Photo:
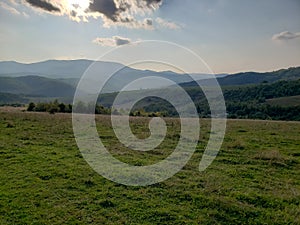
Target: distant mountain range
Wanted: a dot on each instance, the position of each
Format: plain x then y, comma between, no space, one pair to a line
247,78
62,76
59,78
50,69
36,86
65,69
292,73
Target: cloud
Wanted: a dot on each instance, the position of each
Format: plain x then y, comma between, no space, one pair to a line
153,3
9,8
149,2
167,24
131,23
47,6
121,41
112,42
13,2
286,35
25,15
13,10
127,13
107,8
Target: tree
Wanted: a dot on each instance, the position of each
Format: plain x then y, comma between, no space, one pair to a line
41,107
31,107
62,107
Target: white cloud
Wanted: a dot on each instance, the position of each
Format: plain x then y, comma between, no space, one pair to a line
146,24
25,15
13,2
133,14
112,42
128,13
9,8
286,35
167,24
12,9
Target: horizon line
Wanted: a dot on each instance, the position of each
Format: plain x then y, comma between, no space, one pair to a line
86,59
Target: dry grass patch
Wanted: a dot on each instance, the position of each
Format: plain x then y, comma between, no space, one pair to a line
274,157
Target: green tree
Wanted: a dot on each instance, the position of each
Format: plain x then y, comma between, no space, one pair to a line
31,107
62,107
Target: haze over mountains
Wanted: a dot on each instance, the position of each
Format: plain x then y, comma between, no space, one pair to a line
64,74
58,78
51,68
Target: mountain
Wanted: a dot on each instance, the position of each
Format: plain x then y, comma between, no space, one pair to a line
278,100
264,91
59,78
7,98
65,69
70,71
257,78
50,68
247,78
35,86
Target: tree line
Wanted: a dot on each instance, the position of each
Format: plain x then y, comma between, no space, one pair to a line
243,102
60,107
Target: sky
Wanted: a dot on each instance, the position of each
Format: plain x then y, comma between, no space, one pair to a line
229,35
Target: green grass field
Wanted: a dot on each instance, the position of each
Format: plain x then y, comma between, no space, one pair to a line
44,180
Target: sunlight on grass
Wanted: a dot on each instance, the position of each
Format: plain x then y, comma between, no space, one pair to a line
45,180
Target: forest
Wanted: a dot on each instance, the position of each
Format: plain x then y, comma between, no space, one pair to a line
242,102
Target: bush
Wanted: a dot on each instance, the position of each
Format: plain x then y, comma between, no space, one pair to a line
31,107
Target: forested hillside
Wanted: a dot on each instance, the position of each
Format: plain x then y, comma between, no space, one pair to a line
243,102
257,96
36,86
256,78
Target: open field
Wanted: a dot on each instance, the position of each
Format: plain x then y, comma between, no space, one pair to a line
285,101
45,180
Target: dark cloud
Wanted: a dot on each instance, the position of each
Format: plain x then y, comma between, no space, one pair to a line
127,13
112,42
43,5
149,22
121,41
113,11
107,8
73,13
153,2
148,4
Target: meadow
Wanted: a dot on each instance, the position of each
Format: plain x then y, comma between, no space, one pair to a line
287,101
255,179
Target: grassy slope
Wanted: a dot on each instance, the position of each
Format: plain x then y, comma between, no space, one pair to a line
285,101
44,179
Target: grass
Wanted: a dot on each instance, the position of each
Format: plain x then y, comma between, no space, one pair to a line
45,180
285,101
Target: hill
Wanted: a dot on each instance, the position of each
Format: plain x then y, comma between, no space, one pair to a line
247,94
35,86
284,101
263,91
45,180
241,102
257,78
249,78
70,71
8,98
50,68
